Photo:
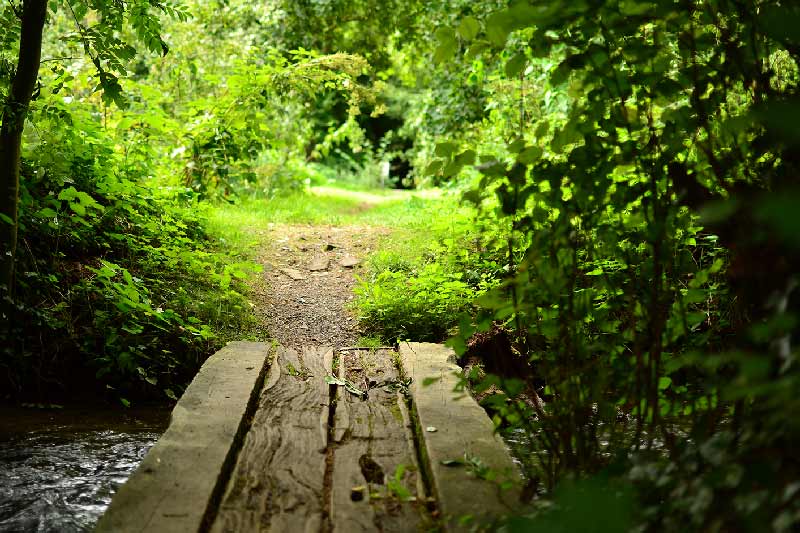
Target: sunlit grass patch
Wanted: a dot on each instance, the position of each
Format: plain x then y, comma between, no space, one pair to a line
241,223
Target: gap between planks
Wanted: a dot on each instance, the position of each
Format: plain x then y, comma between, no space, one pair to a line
294,474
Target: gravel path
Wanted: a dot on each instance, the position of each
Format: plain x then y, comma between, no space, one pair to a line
309,278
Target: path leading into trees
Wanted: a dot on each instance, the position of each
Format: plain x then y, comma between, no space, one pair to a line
311,433
309,277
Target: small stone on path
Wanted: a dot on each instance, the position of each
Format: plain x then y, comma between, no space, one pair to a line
319,263
349,261
294,274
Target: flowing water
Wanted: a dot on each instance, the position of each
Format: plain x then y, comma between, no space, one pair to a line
60,468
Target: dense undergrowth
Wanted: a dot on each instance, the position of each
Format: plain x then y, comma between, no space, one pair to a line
120,289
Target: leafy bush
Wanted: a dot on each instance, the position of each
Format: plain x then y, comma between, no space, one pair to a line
649,248
421,281
422,305
117,287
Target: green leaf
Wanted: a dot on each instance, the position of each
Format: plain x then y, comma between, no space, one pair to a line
467,157
332,380
447,45
444,52
445,35
434,167
427,382
477,48
515,65
7,219
78,208
633,8
529,155
492,168
352,389
452,169
445,149
516,145
68,194
498,26
468,28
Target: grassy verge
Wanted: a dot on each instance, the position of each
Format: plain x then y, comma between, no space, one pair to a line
422,276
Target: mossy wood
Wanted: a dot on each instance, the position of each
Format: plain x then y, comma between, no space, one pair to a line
375,482
336,441
277,484
180,476
454,428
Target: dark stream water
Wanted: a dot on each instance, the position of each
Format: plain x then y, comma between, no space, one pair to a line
60,468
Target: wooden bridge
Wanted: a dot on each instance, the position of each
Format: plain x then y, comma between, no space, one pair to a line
268,438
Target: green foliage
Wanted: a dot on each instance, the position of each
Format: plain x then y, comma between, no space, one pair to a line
117,286
420,306
419,283
640,316
242,140
630,170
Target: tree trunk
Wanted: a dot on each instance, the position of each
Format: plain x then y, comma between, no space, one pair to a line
15,110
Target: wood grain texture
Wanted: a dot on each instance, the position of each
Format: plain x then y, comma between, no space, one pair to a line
370,444
180,476
458,427
277,484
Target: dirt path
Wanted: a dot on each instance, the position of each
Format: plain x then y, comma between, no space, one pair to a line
309,276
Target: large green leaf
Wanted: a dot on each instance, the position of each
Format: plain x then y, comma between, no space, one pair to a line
468,28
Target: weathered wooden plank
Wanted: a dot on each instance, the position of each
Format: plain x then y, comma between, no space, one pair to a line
451,425
371,447
277,484
178,479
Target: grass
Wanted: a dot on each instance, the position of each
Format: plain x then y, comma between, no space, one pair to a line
244,225
370,342
413,286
